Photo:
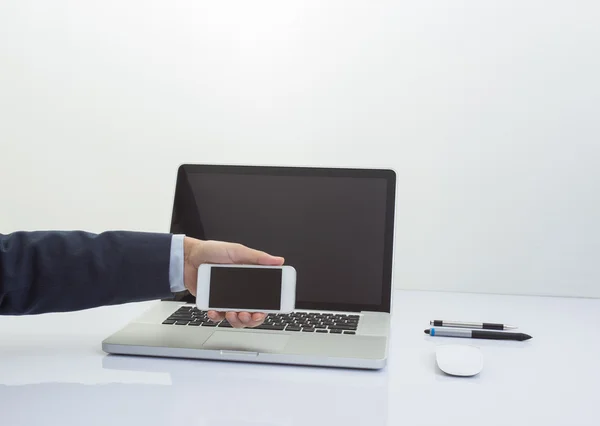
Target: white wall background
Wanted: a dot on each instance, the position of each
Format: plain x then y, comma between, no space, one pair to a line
488,110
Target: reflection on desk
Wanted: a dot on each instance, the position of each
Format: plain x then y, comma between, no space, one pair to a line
211,393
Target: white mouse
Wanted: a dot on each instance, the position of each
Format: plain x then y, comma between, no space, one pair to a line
459,360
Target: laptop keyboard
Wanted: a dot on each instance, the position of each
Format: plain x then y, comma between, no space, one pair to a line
304,322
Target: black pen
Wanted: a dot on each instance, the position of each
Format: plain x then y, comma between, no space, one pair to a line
481,325
477,334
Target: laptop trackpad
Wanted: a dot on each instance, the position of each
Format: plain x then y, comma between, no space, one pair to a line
246,341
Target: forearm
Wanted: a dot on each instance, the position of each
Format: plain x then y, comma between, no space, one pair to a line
65,271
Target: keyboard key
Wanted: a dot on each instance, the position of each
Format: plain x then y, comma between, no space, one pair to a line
335,331
181,322
308,330
169,322
342,327
194,324
321,330
225,324
209,324
293,328
349,332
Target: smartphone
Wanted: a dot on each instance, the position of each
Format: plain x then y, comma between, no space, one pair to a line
247,288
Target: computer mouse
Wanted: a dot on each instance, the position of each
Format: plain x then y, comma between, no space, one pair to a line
459,360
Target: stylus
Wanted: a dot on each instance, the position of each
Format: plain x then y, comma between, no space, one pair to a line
481,325
477,334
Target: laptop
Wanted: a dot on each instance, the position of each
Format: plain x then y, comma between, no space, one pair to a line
334,225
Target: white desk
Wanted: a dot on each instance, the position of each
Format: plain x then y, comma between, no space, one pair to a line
52,372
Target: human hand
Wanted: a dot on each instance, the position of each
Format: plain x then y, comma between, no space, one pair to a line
197,252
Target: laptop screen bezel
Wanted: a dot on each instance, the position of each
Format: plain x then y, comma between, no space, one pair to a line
387,174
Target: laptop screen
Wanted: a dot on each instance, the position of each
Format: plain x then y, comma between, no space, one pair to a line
335,226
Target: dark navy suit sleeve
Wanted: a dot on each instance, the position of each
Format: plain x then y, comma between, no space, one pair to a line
56,271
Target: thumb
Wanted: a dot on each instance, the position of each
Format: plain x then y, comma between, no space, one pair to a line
243,255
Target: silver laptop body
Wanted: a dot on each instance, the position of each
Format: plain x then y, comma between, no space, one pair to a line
335,226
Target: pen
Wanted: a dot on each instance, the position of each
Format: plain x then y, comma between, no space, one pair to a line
477,334
482,325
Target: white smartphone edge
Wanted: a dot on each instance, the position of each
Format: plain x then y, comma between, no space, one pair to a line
288,288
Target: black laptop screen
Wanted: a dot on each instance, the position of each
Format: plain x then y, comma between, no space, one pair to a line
333,228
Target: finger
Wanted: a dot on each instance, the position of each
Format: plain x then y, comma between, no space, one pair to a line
258,316
245,318
232,318
215,316
257,319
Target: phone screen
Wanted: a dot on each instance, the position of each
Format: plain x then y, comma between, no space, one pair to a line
245,288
